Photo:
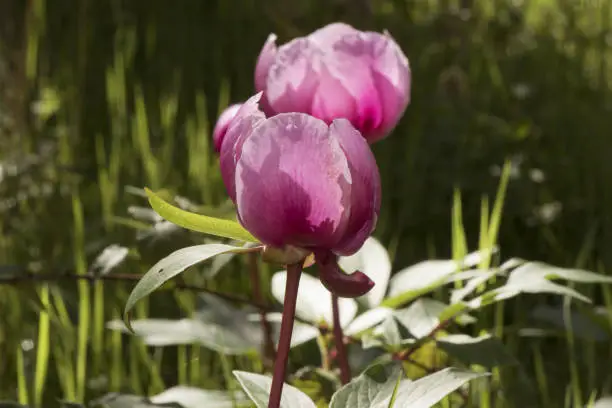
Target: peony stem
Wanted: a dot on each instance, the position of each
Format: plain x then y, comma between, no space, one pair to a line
268,346
345,370
284,344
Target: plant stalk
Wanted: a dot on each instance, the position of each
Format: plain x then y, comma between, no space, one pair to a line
268,346
345,370
284,344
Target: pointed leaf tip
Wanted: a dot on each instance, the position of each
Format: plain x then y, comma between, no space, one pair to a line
198,222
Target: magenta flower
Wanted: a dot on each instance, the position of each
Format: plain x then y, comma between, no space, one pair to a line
337,72
222,125
299,182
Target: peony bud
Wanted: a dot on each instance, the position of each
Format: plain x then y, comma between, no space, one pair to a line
337,72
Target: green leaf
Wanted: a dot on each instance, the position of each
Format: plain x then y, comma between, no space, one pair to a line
473,284
172,265
527,285
427,391
367,320
422,316
226,329
191,397
217,326
605,402
197,222
423,277
416,280
372,389
487,351
11,404
258,388
532,270
116,400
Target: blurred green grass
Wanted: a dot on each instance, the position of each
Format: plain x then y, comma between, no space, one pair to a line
99,95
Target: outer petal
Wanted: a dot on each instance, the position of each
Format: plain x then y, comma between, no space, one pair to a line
293,77
392,77
331,99
387,84
327,36
223,124
245,120
365,190
293,183
264,62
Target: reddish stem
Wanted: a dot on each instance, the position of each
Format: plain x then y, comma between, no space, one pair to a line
345,370
268,346
284,344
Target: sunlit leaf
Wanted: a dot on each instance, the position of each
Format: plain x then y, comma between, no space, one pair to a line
373,260
487,351
314,300
216,325
201,223
605,402
367,320
528,285
423,315
533,270
427,391
472,284
372,389
172,265
258,388
116,400
159,332
191,397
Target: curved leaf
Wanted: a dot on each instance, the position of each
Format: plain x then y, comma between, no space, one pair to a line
197,222
258,387
427,391
172,265
372,389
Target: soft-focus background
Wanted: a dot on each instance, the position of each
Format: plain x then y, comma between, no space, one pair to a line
101,97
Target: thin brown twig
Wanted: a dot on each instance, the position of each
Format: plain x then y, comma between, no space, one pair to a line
39,278
268,347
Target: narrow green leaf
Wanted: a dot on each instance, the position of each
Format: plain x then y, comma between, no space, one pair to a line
171,266
196,222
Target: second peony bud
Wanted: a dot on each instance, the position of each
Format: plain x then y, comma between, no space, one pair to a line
337,72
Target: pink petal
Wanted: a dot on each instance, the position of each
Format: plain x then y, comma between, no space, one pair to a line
384,92
264,62
365,189
293,183
331,99
223,124
246,119
292,78
327,36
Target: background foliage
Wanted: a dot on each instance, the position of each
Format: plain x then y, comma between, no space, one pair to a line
98,96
